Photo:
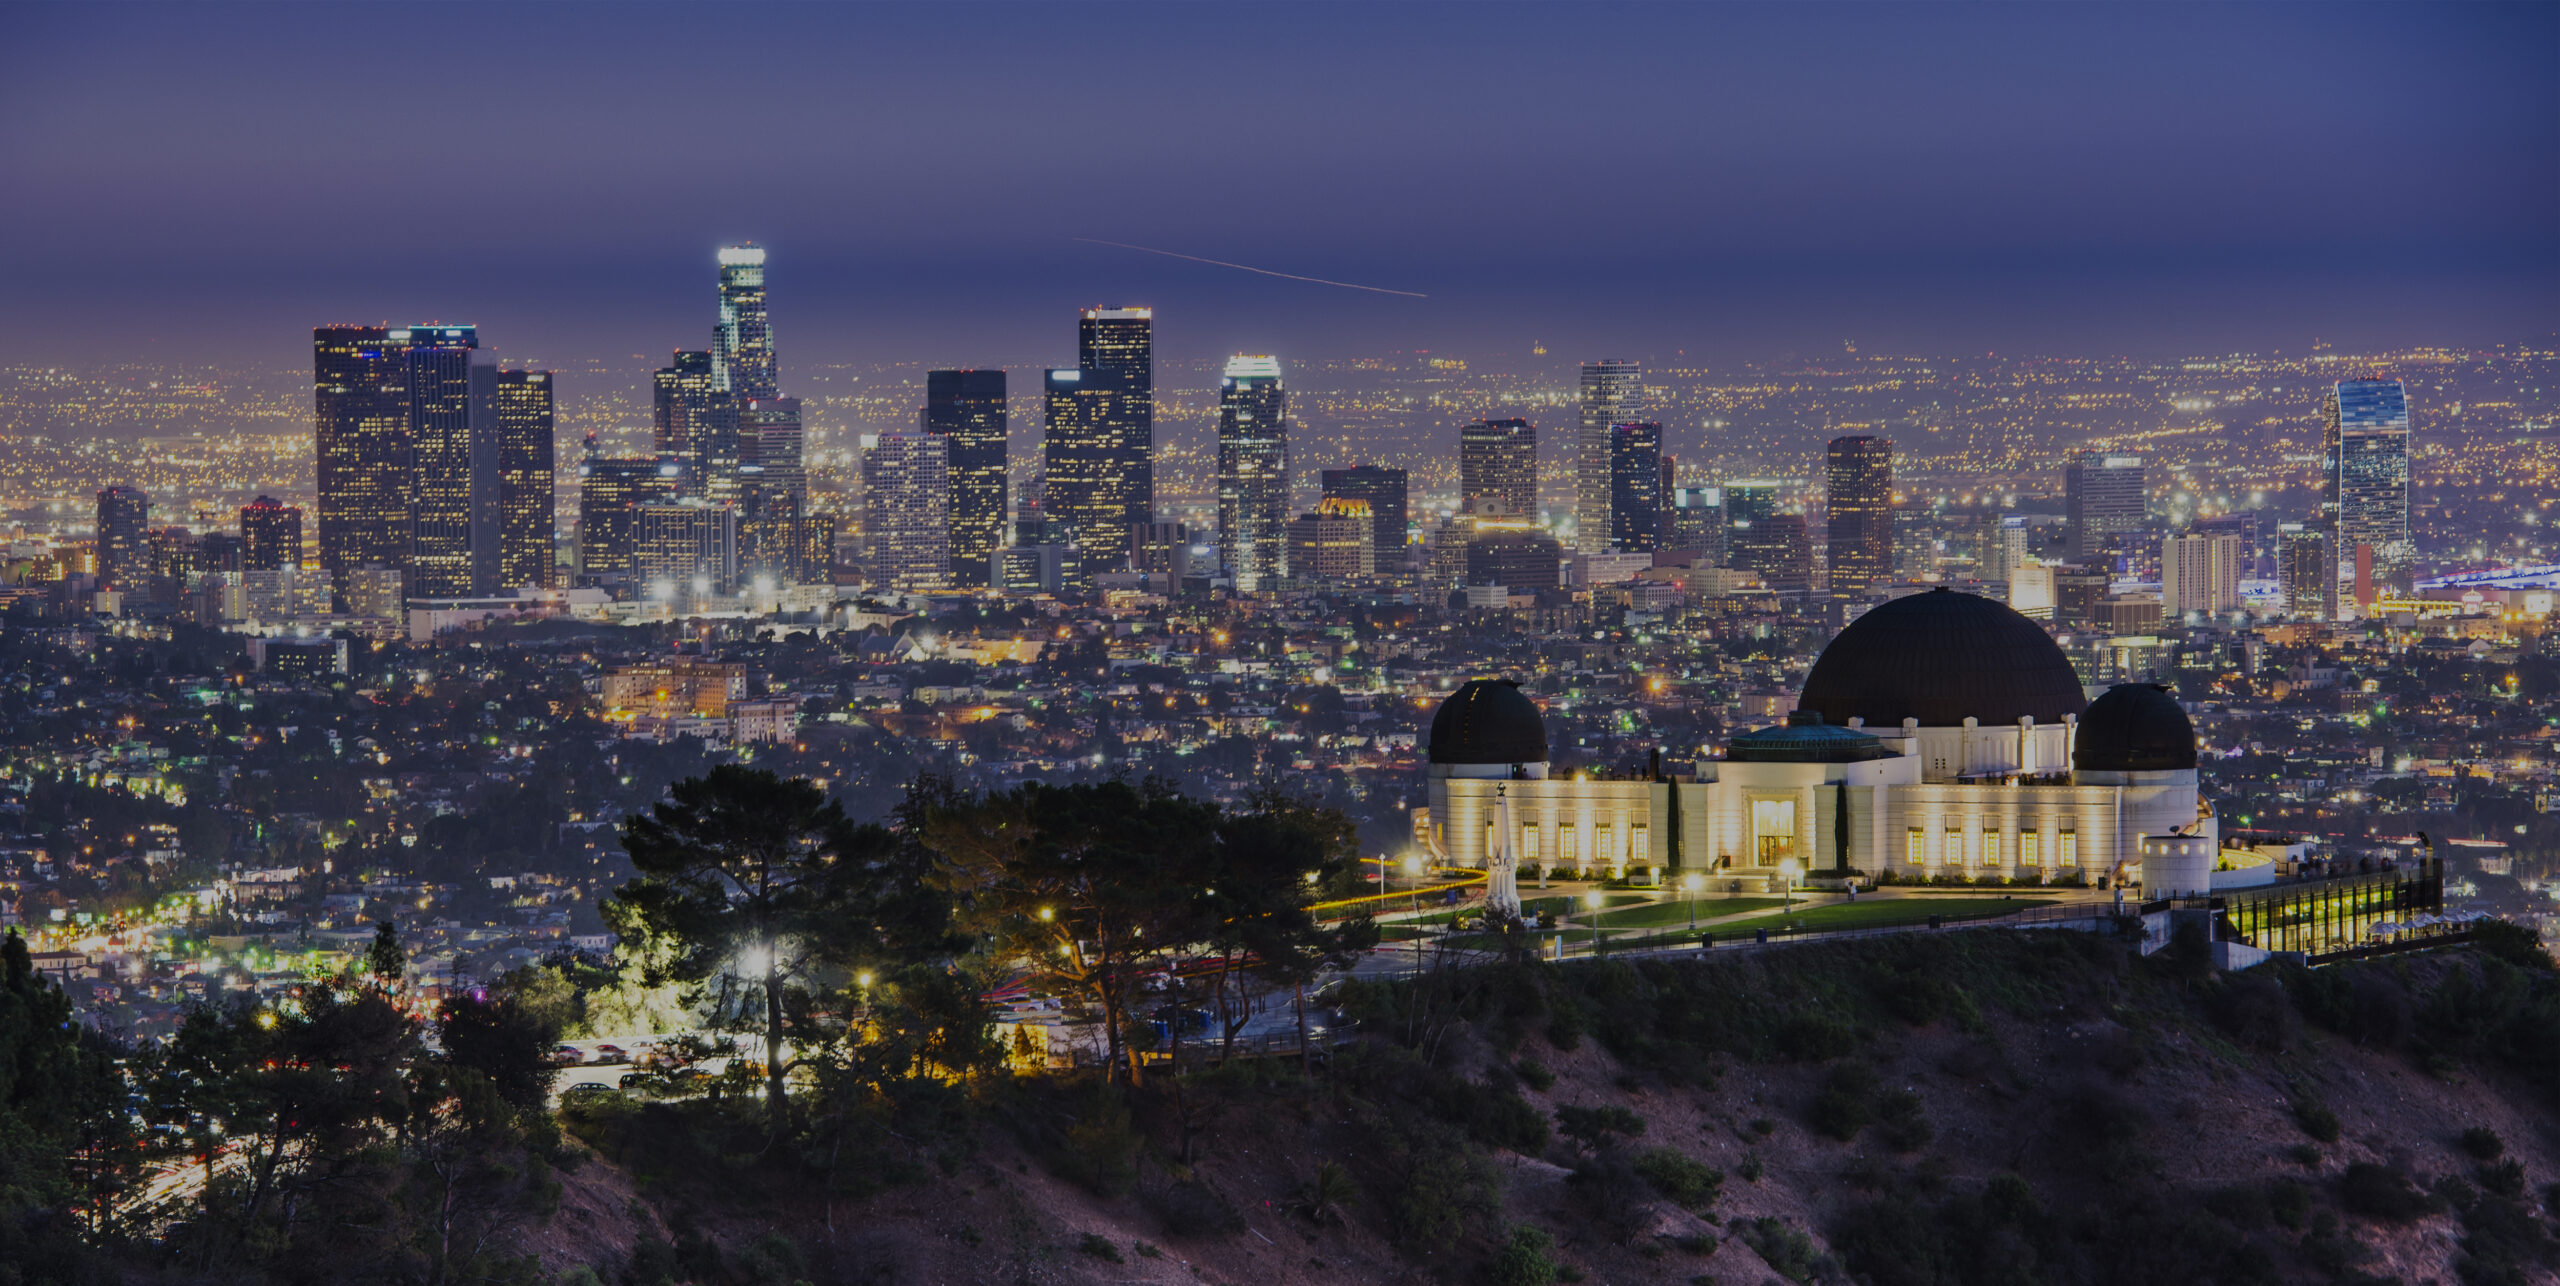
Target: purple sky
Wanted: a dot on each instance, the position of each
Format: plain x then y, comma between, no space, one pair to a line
208,181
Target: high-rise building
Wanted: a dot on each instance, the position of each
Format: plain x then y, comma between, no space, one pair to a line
611,491
742,340
1253,471
527,523
1696,521
454,482
1098,454
2302,565
906,510
1498,459
1612,394
270,535
1383,490
1635,485
2199,574
697,427
771,444
1859,499
967,408
360,398
124,538
1516,557
685,547
2102,495
1336,543
2364,499
1779,548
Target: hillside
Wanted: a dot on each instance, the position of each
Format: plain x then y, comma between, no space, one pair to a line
1984,1107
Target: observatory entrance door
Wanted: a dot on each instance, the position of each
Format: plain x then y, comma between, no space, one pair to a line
1773,830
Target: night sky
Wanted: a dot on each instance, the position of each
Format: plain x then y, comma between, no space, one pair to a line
206,182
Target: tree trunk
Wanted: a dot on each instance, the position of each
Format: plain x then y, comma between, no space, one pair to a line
776,1104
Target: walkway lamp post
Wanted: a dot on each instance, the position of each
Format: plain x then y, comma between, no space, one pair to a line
1594,901
1690,882
1787,871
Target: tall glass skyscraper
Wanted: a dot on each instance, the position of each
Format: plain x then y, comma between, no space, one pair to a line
2364,499
1859,497
1253,471
2102,496
742,340
906,508
124,538
1635,487
360,404
967,408
527,523
1612,394
452,395
270,535
1098,454
1498,460
697,426
611,491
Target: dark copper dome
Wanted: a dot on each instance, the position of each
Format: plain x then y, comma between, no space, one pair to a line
2134,727
1488,721
1940,658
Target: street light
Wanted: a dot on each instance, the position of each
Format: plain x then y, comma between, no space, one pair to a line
1691,882
1787,871
1593,900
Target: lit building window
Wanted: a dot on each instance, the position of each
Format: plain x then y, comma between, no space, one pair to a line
2067,848
2027,854
1991,846
1568,844
1915,846
1637,849
1951,848
1528,843
1606,850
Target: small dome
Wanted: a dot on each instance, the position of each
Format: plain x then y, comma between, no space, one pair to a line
2134,727
1941,658
1488,721
1805,739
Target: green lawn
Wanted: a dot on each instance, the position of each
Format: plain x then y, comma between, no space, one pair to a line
1876,913
1572,905
1663,914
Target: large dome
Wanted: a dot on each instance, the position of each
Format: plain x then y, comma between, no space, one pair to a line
2134,727
1941,658
1488,721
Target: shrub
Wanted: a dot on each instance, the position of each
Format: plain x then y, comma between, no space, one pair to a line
1689,1182
1535,1074
1815,1037
1592,1126
2381,1192
1524,1261
1608,1192
2288,1201
1783,1246
2254,1010
1902,1123
1846,1103
1100,1247
1435,1189
2481,1143
1750,1168
1191,1208
2316,1119
2505,1178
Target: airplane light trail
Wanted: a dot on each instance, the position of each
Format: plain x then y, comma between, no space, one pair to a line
1289,276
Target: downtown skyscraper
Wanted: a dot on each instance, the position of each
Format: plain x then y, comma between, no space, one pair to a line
696,426
1498,461
1858,497
453,449
1384,491
1098,454
361,436
1612,394
124,538
2102,496
742,339
1253,472
967,409
525,462
270,535
2364,492
906,510
1638,485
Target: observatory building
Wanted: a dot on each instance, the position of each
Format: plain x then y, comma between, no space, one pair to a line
1939,734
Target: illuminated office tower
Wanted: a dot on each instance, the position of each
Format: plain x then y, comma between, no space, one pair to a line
2102,496
453,449
1335,544
1635,486
773,443
270,535
1859,499
2364,498
967,409
1384,491
1779,547
527,523
906,510
2199,574
124,538
1747,505
742,340
685,547
1253,472
360,402
1498,460
1612,394
611,490
1115,348
697,427
2302,564
1695,520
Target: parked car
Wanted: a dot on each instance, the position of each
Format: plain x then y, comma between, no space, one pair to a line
567,1056
590,1089
612,1054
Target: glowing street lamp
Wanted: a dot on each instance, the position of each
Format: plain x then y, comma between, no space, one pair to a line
1594,901
1787,871
1691,882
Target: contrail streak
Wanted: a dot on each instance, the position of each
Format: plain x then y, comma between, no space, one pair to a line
1287,276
